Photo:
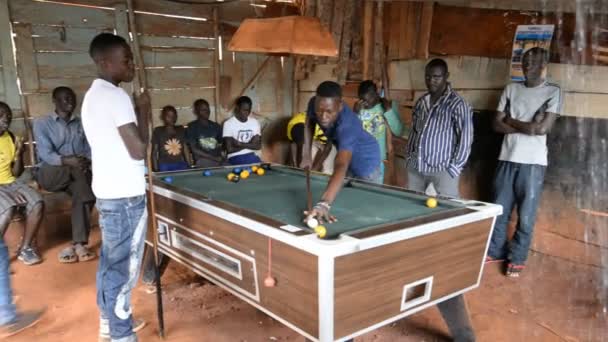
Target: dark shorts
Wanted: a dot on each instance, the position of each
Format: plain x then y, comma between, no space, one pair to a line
32,196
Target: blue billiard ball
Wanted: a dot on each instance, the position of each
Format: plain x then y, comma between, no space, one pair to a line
207,173
237,170
168,179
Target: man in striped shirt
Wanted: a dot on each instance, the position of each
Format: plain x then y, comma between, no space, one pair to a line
439,146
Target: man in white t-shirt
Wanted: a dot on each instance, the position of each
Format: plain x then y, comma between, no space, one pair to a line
242,134
118,137
526,113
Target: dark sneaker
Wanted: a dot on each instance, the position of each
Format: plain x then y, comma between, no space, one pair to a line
104,333
23,321
29,256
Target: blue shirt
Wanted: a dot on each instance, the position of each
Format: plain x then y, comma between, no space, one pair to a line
441,135
348,134
56,138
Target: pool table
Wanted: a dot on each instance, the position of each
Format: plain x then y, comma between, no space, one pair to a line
388,256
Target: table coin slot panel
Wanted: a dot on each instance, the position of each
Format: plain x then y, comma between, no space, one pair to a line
416,293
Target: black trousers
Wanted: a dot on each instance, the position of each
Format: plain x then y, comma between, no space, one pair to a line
77,183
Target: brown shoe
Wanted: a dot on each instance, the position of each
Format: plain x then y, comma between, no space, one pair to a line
23,321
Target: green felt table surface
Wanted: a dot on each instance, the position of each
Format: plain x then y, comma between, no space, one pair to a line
281,195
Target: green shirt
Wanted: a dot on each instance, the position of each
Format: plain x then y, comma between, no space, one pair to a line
374,121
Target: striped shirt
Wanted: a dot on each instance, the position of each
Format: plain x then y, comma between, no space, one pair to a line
442,135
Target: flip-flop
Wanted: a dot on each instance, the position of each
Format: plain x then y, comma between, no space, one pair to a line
68,255
84,253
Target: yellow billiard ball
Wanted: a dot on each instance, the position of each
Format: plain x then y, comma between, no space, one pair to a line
321,231
244,174
230,176
260,171
431,202
254,168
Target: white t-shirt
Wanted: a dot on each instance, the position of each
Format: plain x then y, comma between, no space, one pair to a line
115,174
523,103
241,132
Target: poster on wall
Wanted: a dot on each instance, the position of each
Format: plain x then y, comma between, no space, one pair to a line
527,37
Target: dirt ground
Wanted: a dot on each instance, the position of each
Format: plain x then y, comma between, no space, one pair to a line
555,300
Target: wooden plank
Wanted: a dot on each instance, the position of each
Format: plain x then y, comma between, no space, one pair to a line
46,13
200,58
322,72
408,42
9,71
26,58
378,40
179,78
180,98
216,64
369,285
176,43
65,65
345,44
156,25
337,23
424,33
153,6
368,11
355,63
579,78
396,26
585,105
78,83
49,38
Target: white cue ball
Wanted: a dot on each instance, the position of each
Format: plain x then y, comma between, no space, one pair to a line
312,223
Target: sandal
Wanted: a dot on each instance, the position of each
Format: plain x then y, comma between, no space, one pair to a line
491,260
68,255
513,270
84,253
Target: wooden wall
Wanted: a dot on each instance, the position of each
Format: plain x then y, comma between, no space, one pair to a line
52,40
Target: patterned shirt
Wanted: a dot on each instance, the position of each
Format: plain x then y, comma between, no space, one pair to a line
441,135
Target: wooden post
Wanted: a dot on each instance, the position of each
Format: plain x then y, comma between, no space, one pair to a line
345,44
368,9
378,39
143,84
11,90
426,21
216,63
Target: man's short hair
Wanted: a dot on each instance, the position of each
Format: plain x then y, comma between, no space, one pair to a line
59,89
5,106
200,102
329,89
438,63
168,108
366,87
104,42
243,100
544,53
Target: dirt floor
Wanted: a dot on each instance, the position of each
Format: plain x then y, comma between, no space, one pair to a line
555,300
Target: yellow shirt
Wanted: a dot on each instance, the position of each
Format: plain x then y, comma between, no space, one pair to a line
7,155
300,118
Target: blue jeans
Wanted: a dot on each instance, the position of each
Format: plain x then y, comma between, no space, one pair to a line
520,185
249,158
7,308
376,176
173,166
123,224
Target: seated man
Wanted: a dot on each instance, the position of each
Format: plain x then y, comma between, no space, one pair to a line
358,151
242,134
323,154
204,137
65,165
169,149
14,193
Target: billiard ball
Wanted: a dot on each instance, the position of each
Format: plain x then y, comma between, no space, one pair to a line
244,174
230,176
321,231
270,281
168,179
207,173
260,172
431,202
236,178
237,170
266,166
312,223
254,168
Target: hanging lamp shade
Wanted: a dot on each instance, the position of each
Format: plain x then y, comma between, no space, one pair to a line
284,35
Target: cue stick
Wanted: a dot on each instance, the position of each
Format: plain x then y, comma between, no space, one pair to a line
141,78
308,191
